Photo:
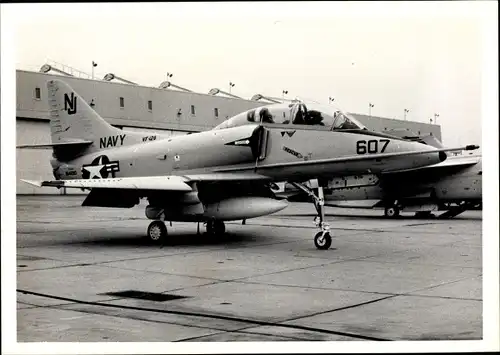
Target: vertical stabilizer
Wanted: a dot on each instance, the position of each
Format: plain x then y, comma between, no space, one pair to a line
72,119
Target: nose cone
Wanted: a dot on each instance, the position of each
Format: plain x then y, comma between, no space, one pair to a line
442,156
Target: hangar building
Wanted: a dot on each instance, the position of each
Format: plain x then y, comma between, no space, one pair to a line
134,107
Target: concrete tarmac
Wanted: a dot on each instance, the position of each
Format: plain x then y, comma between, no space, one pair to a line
402,279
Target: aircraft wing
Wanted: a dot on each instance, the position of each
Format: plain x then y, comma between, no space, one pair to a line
164,183
160,183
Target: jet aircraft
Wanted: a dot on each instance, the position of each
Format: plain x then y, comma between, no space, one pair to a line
453,185
218,175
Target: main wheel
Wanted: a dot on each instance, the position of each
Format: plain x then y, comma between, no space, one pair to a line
392,211
323,241
157,231
219,227
210,227
215,228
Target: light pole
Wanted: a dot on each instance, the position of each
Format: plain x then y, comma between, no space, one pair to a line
370,105
94,64
330,99
406,111
284,93
436,115
231,85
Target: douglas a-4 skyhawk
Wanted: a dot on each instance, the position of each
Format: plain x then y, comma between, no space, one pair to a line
219,175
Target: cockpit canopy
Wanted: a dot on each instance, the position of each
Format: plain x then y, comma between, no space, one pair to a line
296,114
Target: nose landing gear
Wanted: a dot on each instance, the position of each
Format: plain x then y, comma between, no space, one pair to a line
322,240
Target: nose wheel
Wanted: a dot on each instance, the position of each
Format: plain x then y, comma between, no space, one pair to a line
322,240
157,232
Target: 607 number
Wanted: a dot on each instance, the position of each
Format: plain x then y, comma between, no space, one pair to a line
371,146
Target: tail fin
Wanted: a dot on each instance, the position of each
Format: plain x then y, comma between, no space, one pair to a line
73,120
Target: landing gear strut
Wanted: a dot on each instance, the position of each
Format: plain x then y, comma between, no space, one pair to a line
157,232
322,240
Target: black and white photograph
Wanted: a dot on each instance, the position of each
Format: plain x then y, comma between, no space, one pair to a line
249,177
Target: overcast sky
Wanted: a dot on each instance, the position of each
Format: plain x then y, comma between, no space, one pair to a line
426,57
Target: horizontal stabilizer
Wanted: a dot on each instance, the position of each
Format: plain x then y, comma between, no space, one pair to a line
79,143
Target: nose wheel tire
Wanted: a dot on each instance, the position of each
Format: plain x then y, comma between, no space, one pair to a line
157,232
392,211
323,240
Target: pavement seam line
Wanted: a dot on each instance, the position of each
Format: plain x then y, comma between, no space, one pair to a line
203,315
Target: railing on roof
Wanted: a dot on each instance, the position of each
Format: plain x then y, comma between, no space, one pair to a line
64,69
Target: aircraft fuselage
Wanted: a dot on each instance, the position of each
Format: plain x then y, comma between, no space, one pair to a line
246,148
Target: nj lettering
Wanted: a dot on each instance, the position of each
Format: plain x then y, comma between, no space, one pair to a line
70,103
112,141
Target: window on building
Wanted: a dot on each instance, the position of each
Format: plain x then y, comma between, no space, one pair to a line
193,112
38,93
216,112
150,105
122,102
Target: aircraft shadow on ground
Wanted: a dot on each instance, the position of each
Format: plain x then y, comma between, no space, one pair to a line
173,240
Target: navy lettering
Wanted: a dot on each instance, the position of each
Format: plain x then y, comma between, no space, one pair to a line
111,141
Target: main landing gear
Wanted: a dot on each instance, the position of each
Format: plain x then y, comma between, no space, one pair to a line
322,240
157,232
392,211
216,228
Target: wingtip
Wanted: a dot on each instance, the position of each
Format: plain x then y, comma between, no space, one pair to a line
32,182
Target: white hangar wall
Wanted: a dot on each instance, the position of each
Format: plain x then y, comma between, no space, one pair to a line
133,107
